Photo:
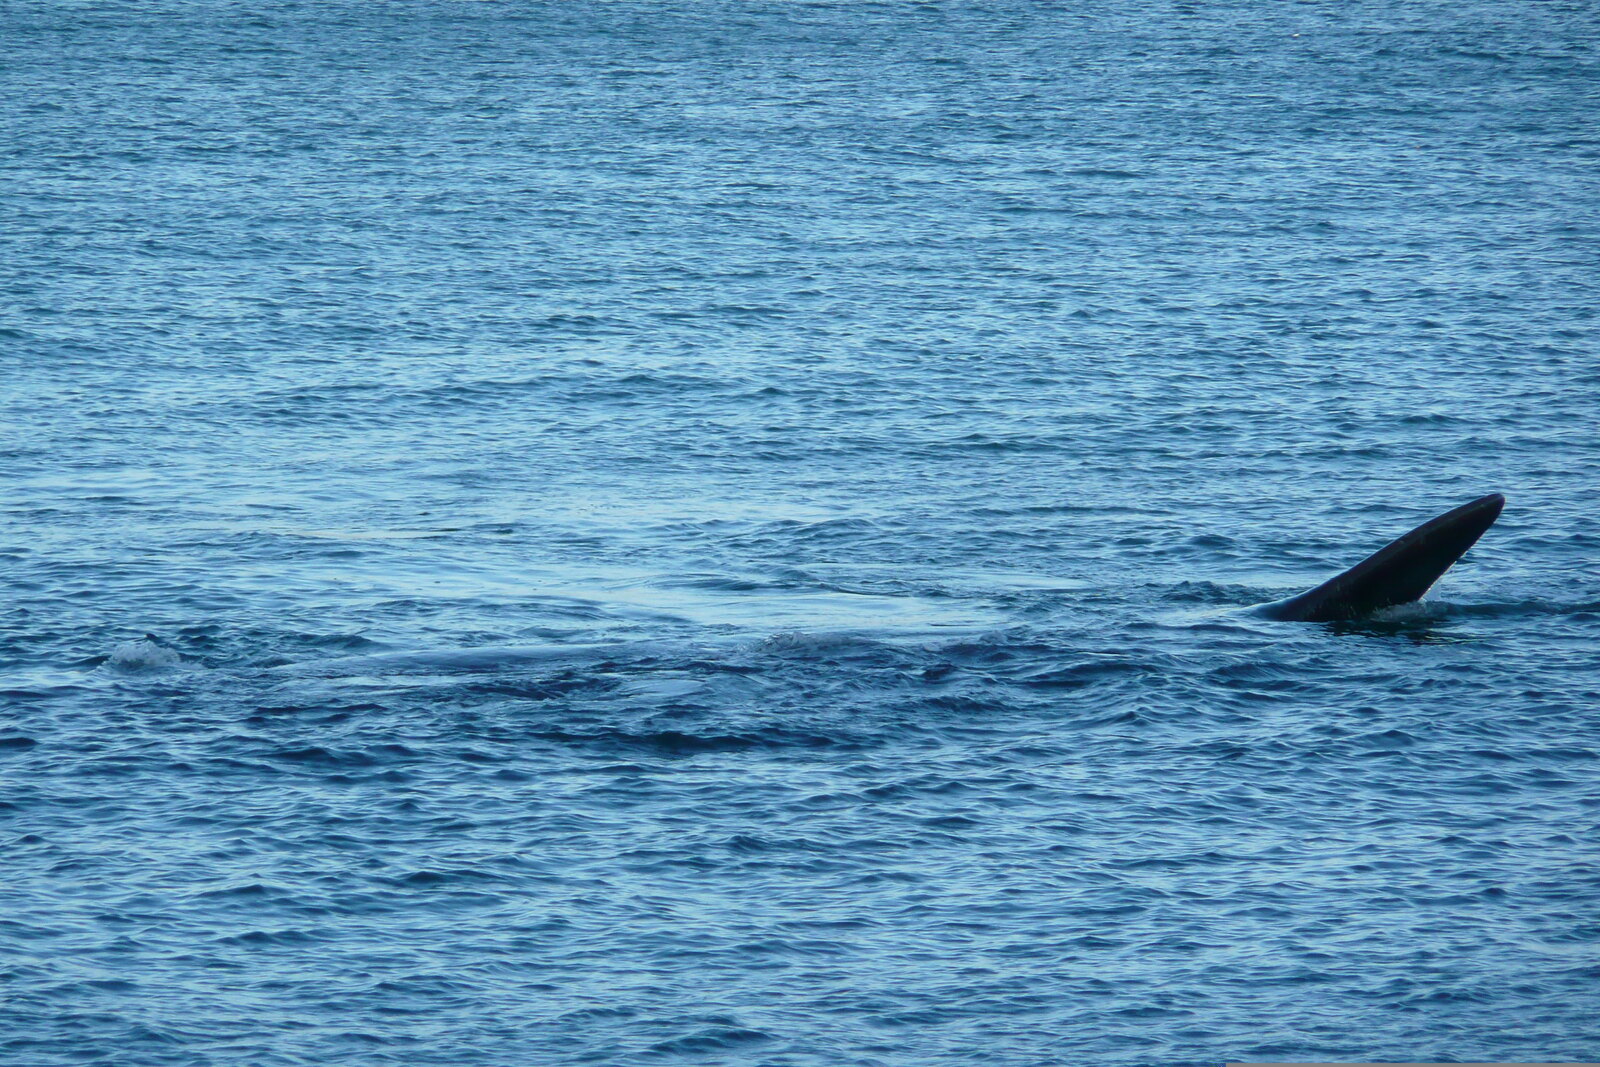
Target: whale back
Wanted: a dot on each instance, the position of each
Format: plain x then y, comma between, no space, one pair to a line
1398,573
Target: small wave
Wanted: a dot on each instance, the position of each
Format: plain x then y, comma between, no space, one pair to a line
463,660
1104,172
1087,673
319,756
269,938
1203,592
1520,608
680,743
799,643
710,1040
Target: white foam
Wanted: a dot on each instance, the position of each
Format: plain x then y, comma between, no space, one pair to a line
141,656
799,641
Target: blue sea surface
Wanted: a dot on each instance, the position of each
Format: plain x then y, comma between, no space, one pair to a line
722,531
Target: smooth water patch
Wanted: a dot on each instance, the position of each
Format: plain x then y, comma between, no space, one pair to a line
726,532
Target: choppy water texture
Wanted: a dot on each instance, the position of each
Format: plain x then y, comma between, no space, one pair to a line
784,480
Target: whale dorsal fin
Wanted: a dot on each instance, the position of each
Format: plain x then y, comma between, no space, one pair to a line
1398,573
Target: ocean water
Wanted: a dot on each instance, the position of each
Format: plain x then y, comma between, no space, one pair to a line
721,532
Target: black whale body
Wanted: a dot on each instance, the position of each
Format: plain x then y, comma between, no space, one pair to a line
1398,573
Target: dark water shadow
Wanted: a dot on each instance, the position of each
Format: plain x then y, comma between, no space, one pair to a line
1422,630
